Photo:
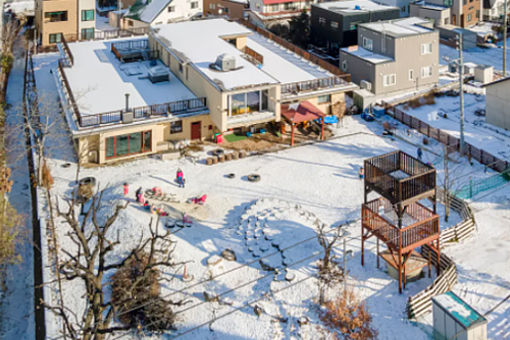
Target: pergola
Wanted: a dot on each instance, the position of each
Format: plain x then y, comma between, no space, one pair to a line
299,113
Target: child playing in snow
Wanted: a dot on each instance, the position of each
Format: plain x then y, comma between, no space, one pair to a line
180,178
139,196
126,189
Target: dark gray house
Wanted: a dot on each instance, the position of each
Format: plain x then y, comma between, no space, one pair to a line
333,24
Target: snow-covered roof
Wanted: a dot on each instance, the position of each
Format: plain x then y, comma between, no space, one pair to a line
429,5
99,81
201,42
353,6
400,27
147,12
367,55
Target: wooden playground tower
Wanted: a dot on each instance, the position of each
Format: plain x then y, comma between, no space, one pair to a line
396,218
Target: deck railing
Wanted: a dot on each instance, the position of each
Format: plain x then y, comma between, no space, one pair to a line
259,58
406,238
313,85
67,51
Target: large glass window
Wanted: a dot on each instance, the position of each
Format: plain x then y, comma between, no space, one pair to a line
87,33
128,144
238,104
56,16
87,15
55,38
253,101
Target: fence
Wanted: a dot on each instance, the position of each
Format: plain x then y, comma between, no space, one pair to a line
475,187
421,303
297,50
451,142
259,58
312,85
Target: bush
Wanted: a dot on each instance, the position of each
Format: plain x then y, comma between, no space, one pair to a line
349,318
47,179
137,296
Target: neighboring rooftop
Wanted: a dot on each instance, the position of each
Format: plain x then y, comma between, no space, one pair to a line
367,55
354,6
99,81
459,310
201,42
400,27
429,5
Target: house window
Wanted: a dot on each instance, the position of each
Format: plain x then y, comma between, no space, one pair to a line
87,15
87,33
253,101
176,127
129,144
55,38
334,24
172,8
322,21
426,71
411,74
478,14
426,48
56,16
194,4
130,22
469,17
181,68
324,99
344,65
389,79
211,6
367,43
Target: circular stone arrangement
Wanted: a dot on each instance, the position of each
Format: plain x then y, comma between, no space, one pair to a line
280,234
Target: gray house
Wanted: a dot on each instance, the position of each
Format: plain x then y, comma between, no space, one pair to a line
393,56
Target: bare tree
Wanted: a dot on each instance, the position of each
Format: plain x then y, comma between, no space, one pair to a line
10,30
91,263
449,181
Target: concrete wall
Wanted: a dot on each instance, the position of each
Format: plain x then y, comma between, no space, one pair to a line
44,27
497,108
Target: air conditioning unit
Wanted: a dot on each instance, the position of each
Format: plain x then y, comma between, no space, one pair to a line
226,62
366,85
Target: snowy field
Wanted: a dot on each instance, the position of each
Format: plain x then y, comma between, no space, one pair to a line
477,55
298,186
477,131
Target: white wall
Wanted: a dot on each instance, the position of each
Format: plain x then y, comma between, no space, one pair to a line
182,11
402,4
497,108
84,5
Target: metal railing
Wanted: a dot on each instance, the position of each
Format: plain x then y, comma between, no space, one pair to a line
313,85
67,51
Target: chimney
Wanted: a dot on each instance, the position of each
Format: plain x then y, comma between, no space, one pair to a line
127,102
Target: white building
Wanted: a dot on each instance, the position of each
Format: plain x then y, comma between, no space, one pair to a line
86,21
496,99
157,12
493,9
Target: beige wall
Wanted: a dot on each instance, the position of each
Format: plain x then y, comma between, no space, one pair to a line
69,28
497,108
127,23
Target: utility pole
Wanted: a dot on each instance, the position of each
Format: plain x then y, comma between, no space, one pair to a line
504,37
461,85
345,267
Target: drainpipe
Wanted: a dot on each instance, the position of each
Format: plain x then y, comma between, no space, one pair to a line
127,102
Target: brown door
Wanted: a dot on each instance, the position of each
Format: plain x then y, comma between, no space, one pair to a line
196,130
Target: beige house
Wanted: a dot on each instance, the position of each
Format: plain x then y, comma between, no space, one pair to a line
185,81
393,56
463,13
497,110
73,19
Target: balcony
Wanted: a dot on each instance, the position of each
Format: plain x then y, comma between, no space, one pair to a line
420,225
400,178
305,87
251,118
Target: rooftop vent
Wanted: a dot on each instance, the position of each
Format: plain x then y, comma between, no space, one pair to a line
225,62
158,74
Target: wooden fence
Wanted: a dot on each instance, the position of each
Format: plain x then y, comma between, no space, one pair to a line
421,303
451,142
297,50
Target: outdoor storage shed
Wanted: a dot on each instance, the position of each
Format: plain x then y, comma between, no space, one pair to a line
455,319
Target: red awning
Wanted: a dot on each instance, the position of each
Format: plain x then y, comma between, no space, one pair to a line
303,112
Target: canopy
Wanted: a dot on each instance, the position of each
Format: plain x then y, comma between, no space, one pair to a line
302,112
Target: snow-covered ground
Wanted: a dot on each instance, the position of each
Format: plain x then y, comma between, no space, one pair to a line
478,55
476,131
297,187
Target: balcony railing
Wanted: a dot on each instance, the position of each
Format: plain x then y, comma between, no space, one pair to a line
313,85
424,230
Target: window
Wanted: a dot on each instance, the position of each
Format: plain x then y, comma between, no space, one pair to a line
176,127
426,48
180,68
194,4
426,71
87,15
211,6
411,74
344,65
389,79
130,22
87,33
253,101
469,17
478,14
324,99
172,8
129,144
56,16
334,24
55,38
322,21
367,43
